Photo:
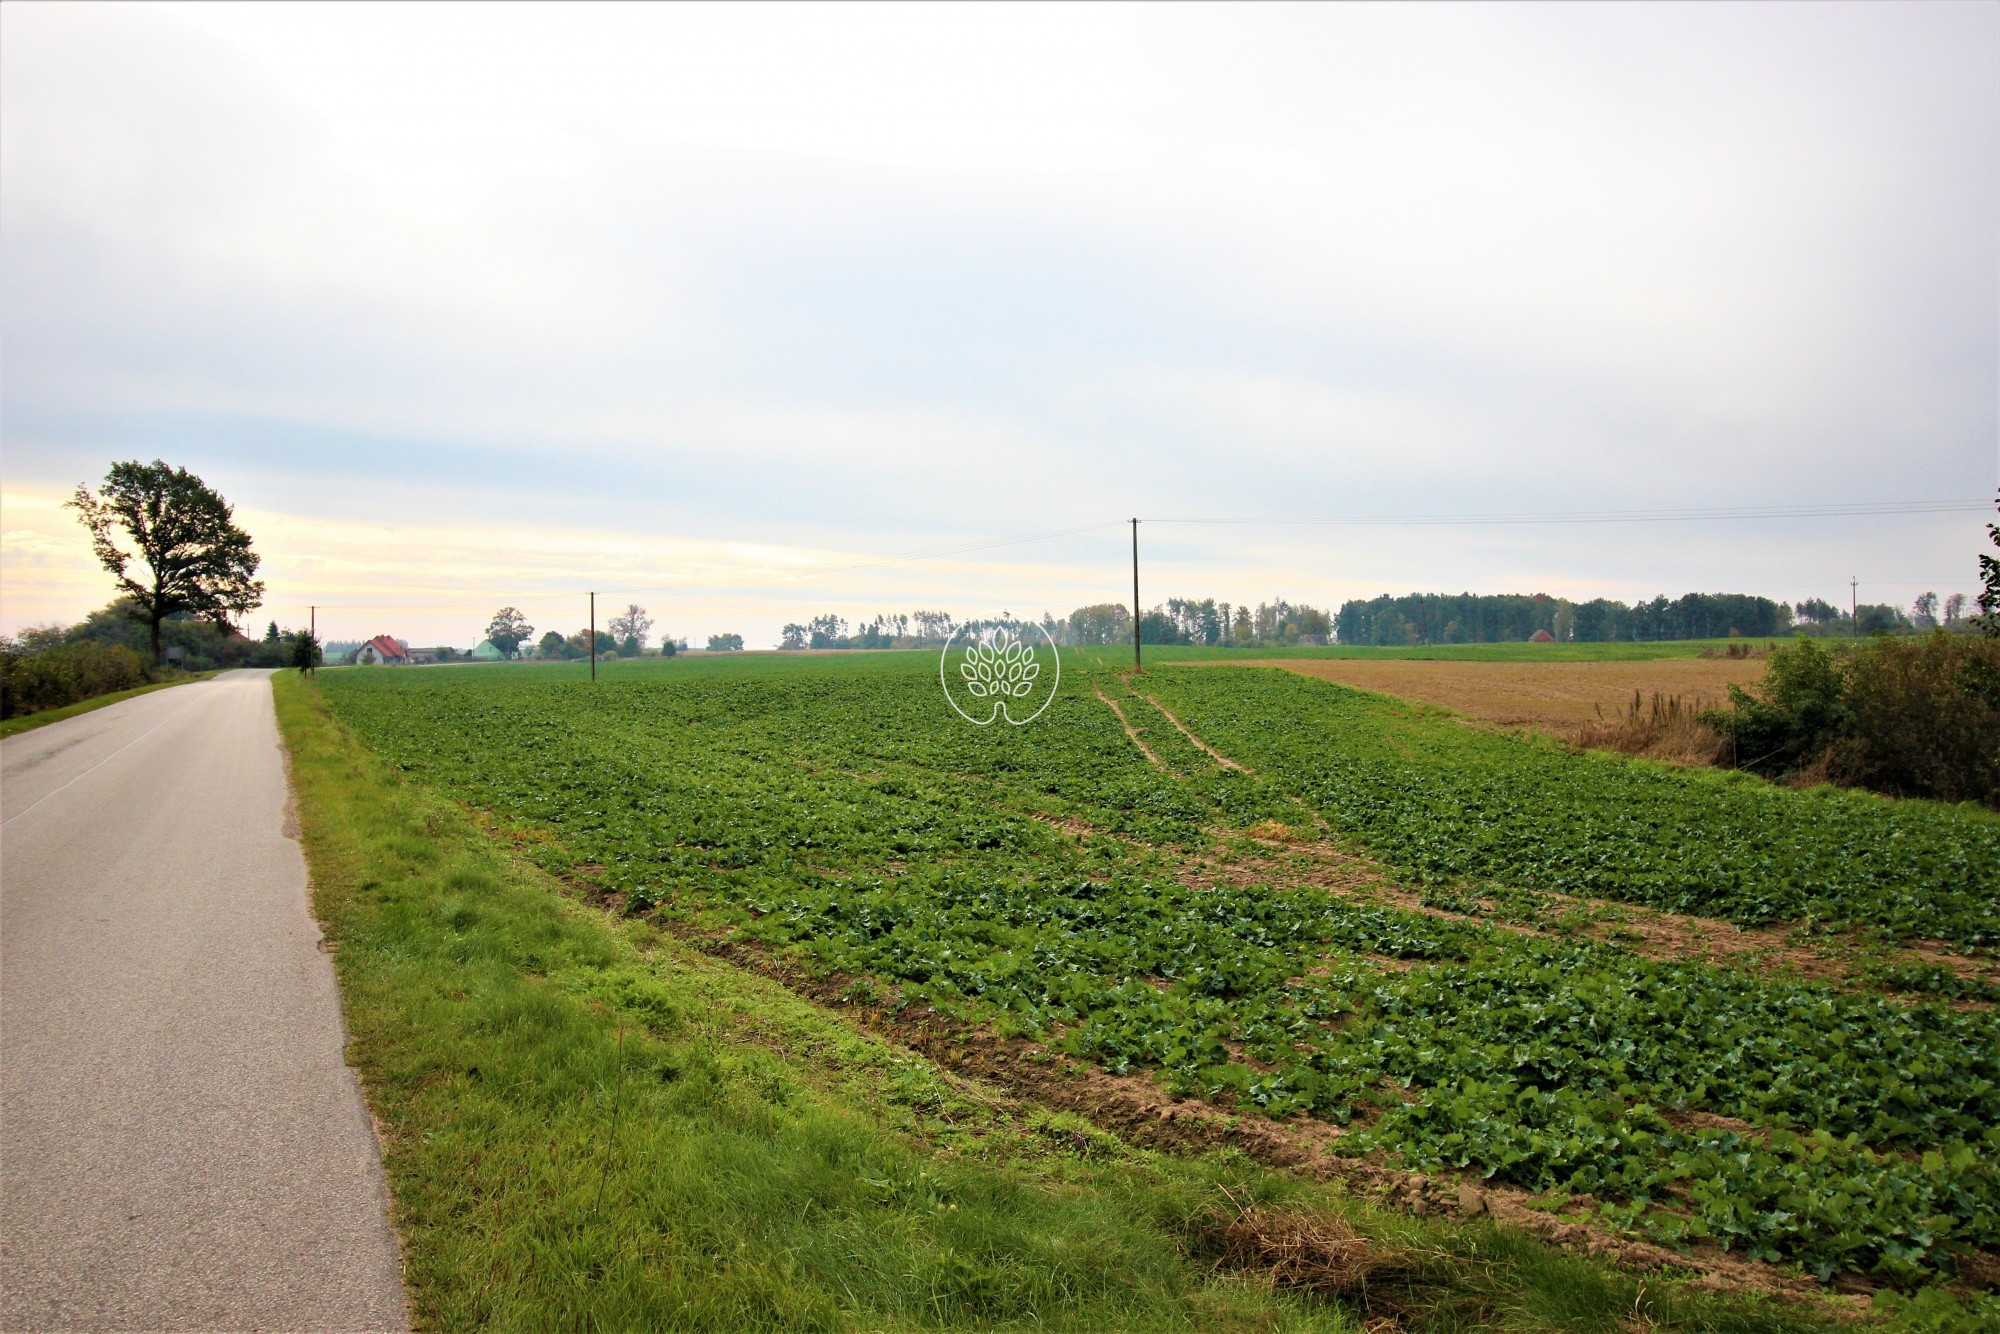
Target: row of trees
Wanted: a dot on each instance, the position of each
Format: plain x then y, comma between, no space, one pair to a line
916,629
1176,621
555,644
625,636
1413,619
1202,622
1819,617
196,643
1487,618
1469,618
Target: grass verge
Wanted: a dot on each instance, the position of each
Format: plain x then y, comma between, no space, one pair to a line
28,722
587,1124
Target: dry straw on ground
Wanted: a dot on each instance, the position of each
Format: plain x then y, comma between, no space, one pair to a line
1668,727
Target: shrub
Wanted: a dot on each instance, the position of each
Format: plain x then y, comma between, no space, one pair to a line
1792,716
1924,719
203,643
1911,717
34,679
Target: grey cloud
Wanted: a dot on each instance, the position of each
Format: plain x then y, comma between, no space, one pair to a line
1391,258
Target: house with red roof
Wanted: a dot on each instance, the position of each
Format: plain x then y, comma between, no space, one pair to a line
384,649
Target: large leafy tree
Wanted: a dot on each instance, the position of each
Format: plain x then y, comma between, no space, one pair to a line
632,623
197,560
508,630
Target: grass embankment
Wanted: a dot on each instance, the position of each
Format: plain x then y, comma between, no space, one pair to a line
588,1125
30,721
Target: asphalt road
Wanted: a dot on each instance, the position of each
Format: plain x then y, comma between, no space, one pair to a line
181,1143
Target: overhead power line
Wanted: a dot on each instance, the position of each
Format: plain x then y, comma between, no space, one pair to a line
792,573
1887,507
1685,514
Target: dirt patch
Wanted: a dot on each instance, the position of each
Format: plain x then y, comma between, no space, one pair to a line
1558,697
1075,828
1130,731
1712,1121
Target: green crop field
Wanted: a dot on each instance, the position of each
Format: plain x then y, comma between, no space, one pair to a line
1054,883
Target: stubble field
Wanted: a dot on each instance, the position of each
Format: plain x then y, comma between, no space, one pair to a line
1556,697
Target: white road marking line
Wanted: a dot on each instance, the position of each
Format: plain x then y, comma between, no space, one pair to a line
99,765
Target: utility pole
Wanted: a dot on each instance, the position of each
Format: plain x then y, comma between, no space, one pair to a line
1854,607
593,634
1136,665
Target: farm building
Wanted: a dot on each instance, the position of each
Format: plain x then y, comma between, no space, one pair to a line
1541,637
383,649
487,651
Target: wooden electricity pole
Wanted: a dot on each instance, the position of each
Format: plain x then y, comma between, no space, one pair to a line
1854,606
1136,665
593,635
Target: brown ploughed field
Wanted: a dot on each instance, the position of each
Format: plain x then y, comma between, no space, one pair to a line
1556,696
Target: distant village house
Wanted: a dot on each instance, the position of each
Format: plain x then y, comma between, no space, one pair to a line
382,650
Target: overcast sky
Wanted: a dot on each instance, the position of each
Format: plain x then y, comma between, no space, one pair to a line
467,305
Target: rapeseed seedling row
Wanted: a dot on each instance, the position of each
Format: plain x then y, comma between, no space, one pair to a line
1448,801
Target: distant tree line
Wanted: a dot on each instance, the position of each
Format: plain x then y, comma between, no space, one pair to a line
1413,619
554,644
625,637
1175,621
1490,618
1206,622
1476,618
916,629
